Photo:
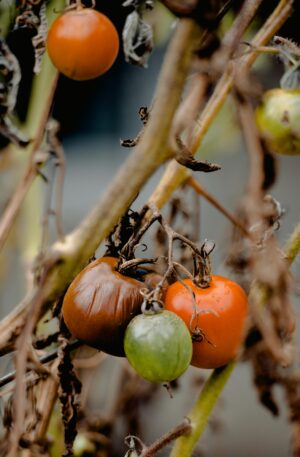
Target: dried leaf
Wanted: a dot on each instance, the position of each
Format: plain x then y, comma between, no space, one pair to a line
137,39
11,76
185,157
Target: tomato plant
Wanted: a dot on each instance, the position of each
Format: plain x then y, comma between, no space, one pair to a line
99,304
278,120
83,43
103,307
215,315
158,346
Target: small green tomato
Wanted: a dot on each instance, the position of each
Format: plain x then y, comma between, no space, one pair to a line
278,120
158,346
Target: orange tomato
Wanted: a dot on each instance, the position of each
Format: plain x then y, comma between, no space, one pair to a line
82,44
215,317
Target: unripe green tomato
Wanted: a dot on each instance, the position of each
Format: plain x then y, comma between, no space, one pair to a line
278,120
158,346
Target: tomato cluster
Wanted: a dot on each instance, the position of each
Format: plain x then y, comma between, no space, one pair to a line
201,326
82,43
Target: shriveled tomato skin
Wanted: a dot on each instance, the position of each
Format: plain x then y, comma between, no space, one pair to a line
222,312
82,43
158,346
99,305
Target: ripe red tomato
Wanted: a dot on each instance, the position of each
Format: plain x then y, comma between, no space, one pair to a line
82,43
100,303
221,311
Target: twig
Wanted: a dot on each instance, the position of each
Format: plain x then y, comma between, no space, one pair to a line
256,155
269,29
201,191
46,402
9,377
190,106
233,36
180,430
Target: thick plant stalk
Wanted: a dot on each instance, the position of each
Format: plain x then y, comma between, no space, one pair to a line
38,111
201,411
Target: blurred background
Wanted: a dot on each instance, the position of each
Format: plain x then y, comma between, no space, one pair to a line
94,116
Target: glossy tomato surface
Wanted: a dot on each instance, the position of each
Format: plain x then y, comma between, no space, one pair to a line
219,312
99,305
278,120
82,44
158,346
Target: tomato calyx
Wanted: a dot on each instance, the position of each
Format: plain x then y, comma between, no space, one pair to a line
78,5
202,265
152,304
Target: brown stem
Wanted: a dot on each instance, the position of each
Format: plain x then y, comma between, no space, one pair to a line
43,359
48,396
256,157
22,350
233,37
204,193
182,429
268,30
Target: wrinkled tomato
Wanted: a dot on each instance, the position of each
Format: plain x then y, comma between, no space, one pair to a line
100,303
